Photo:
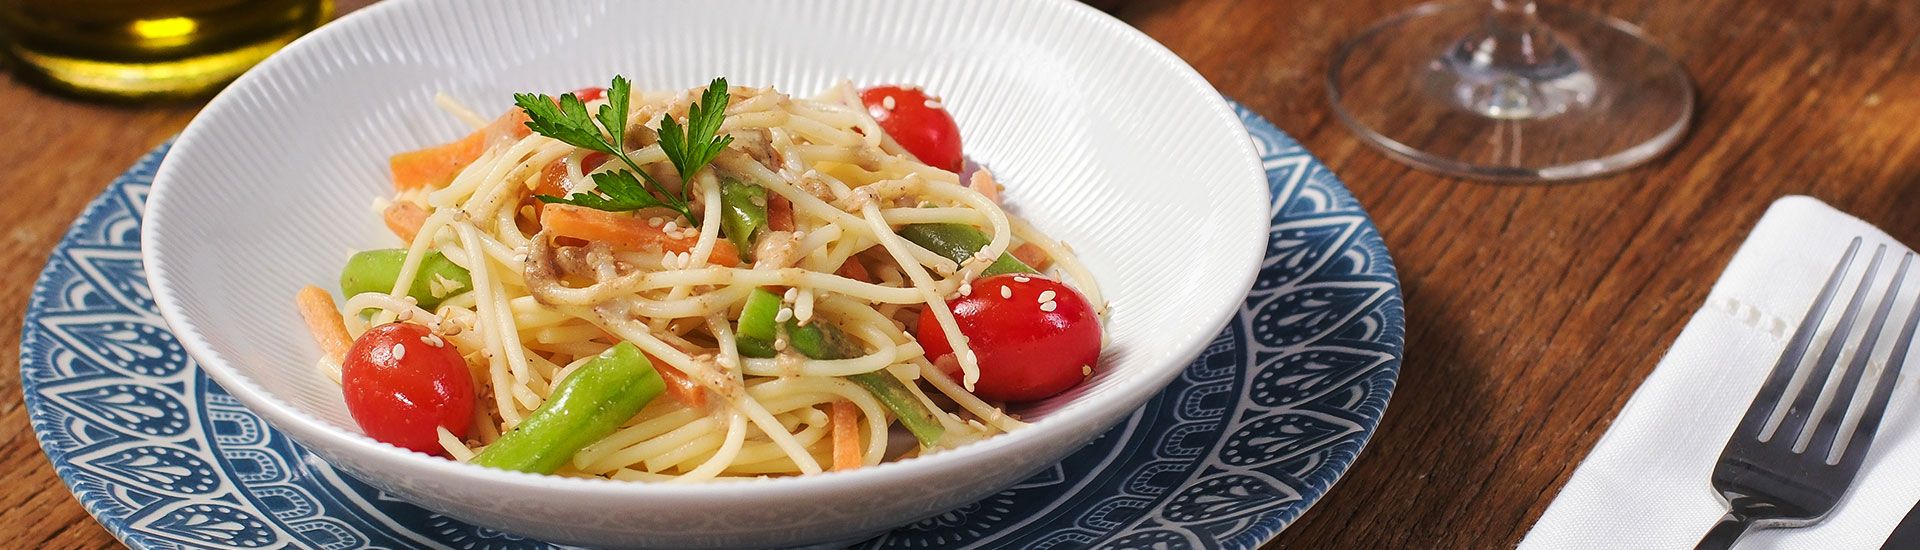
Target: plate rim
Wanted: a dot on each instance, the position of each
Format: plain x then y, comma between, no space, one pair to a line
1269,524
289,418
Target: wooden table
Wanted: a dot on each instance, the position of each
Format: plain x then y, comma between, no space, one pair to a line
1533,311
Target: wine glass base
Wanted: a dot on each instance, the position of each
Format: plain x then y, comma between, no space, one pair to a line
1418,86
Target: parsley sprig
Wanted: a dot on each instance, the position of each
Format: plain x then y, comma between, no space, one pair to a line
690,147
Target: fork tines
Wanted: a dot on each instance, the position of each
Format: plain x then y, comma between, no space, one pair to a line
1825,437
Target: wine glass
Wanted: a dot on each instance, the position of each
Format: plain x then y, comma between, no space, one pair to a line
1512,91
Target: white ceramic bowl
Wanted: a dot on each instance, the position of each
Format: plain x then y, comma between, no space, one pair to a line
1106,140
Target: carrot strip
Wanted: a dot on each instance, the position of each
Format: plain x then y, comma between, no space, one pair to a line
855,270
846,435
553,179
625,231
404,219
982,182
435,167
1032,255
779,213
324,322
683,388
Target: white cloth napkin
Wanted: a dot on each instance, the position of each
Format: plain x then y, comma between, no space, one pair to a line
1646,483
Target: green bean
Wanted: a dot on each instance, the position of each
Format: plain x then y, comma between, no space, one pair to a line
376,270
959,242
743,211
819,340
896,397
587,406
756,333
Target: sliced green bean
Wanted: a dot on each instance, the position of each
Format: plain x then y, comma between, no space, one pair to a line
376,270
587,406
743,212
959,242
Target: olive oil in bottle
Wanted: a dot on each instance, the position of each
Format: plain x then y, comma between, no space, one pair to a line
148,49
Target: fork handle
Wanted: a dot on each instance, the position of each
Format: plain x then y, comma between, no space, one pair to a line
1725,533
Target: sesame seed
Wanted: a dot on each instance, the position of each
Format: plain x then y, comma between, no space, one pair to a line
785,314
1086,370
1020,278
791,294
1049,306
935,104
399,352
432,340
758,200
887,102
1046,296
966,289
655,221
671,227
451,329
668,260
780,344
404,315
1006,292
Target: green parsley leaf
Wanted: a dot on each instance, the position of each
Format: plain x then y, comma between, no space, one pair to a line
691,147
613,114
622,193
564,119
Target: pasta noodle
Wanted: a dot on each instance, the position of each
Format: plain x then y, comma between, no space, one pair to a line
538,306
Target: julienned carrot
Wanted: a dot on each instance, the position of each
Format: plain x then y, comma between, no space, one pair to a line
779,213
436,166
404,219
855,270
329,330
982,182
1032,255
679,385
553,179
625,231
846,435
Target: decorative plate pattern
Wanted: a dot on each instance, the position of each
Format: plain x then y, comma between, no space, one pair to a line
1252,433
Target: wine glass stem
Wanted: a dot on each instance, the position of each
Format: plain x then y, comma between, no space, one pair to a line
1511,6
1514,36
1513,67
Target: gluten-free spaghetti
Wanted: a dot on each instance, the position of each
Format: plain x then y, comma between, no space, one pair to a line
710,283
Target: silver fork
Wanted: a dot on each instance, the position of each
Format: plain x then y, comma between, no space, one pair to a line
1788,475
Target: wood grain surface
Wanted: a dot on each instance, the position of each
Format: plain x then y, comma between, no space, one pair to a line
1533,311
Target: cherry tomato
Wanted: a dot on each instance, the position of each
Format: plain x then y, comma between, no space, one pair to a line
590,94
401,381
1027,349
918,123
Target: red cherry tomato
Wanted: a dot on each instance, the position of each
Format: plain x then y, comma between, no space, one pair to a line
590,94
918,123
1027,350
401,381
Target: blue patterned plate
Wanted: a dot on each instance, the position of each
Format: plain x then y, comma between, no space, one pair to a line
1242,443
